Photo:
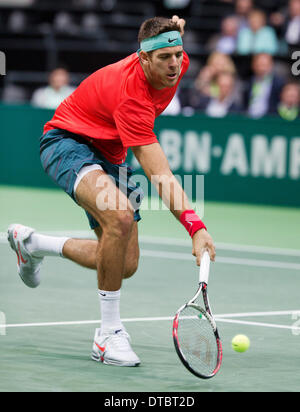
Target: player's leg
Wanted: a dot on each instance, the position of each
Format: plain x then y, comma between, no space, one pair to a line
98,195
132,253
80,251
31,247
109,301
84,251
63,156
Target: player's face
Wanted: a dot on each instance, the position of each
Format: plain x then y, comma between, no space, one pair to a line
164,66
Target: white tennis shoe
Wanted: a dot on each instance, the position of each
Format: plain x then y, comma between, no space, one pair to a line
113,348
28,265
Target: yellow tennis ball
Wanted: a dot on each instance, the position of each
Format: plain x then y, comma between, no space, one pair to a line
240,343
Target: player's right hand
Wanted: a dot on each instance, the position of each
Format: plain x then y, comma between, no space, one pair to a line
202,241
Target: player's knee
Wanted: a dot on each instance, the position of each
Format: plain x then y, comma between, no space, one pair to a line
124,222
120,224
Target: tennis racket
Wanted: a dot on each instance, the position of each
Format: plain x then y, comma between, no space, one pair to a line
195,332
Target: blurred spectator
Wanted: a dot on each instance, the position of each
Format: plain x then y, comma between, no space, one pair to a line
91,25
64,23
242,11
288,21
258,37
13,94
216,63
17,21
206,88
292,33
263,91
106,5
89,4
58,89
90,22
289,104
226,41
226,101
176,4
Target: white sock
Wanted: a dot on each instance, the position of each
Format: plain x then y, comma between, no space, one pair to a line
41,245
110,309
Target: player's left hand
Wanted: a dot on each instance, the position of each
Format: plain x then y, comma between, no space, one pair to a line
180,22
203,241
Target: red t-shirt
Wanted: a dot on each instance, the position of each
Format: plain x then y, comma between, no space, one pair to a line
115,108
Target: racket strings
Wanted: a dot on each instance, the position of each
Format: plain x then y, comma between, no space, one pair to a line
197,341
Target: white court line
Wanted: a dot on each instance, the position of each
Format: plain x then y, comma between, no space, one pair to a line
266,325
260,314
222,246
177,242
84,322
219,318
226,260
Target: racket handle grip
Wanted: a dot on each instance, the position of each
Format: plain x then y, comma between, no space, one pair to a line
204,268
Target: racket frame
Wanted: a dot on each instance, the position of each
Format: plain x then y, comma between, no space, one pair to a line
203,279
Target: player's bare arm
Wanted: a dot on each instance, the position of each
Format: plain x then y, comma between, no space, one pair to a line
156,167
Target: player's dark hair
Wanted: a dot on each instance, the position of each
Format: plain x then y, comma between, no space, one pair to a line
156,25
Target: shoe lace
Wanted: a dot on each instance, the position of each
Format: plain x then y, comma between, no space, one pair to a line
120,340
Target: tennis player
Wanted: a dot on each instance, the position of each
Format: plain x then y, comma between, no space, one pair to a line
83,149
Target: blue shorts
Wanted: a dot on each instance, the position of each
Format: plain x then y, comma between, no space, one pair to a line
64,154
